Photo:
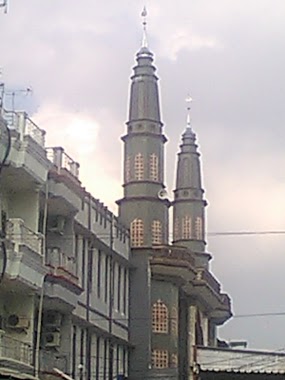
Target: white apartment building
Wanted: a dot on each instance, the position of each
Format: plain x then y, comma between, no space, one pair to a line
64,297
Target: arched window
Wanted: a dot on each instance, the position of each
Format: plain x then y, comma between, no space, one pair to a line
128,169
139,167
160,318
159,359
176,229
156,229
199,228
137,233
174,321
153,167
186,227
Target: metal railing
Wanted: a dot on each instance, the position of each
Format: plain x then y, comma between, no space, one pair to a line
20,122
20,234
14,349
173,254
207,277
50,360
61,264
62,160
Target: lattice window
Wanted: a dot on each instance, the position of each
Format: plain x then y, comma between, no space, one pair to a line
174,321
128,169
156,229
153,167
137,233
174,361
139,167
160,317
159,359
199,228
186,227
176,229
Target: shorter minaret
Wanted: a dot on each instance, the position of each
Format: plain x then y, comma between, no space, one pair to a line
189,204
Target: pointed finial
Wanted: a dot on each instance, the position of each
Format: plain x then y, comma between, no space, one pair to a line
144,40
188,102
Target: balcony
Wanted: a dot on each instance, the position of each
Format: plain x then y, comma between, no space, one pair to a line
21,123
61,285
49,360
14,350
61,265
208,290
20,235
173,261
62,161
205,277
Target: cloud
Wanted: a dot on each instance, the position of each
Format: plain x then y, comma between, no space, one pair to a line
229,55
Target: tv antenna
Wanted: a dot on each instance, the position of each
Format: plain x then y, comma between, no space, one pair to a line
14,93
4,4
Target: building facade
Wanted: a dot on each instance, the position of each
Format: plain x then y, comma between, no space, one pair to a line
175,301
64,295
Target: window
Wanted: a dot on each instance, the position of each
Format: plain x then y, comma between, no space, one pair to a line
125,291
128,169
186,227
199,228
90,267
97,374
83,263
176,229
119,287
139,167
99,265
174,321
159,317
107,259
76,246
159,359
153,167
137,233
156,230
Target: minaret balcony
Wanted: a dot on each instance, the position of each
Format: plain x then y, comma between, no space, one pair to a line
208,291
173,261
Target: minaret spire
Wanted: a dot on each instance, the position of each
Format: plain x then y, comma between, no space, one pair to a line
144,23
189,204
188,102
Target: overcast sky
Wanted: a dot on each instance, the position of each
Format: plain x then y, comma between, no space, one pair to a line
230,56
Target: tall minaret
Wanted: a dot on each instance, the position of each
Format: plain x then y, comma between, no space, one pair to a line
144,208
189,204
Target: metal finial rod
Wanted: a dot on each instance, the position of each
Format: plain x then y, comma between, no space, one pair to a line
144,15
188,102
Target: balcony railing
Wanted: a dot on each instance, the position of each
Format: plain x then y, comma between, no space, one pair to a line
62,160
51,359
205,276
25,126
175,255
19,234
14,349
61,264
